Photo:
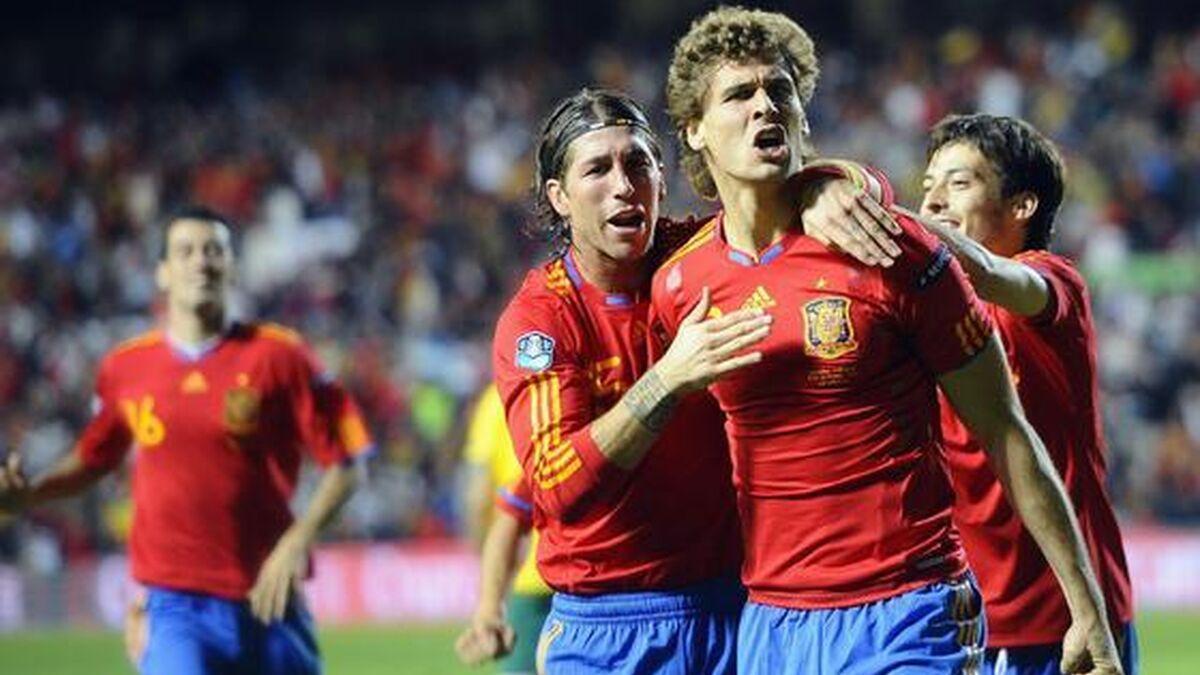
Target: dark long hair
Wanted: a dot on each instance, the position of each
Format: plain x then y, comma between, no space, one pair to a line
588,110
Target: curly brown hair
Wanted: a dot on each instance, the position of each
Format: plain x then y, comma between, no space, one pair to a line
730,35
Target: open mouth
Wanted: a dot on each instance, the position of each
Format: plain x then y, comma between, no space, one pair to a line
770,138
628,220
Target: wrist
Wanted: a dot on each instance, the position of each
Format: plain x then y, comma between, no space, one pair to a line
667,377
488,612
301,534
651,400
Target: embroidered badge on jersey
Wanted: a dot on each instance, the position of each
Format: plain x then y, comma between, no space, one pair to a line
242,407
828,331
535,351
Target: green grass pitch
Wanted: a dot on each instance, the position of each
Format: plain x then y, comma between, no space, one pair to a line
1170,644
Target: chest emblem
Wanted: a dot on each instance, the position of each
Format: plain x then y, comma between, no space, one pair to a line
194,383
242,407
828,331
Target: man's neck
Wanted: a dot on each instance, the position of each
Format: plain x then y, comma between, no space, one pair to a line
194,327
756,214
608,274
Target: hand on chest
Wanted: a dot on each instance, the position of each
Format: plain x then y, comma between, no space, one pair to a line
824,330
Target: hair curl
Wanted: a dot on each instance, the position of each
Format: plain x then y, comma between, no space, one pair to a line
730,35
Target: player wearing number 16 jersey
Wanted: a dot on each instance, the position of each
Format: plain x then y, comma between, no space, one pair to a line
218,416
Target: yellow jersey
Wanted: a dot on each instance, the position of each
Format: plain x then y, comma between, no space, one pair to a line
490,447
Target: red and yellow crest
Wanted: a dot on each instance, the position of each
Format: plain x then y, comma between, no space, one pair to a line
242,407
828,330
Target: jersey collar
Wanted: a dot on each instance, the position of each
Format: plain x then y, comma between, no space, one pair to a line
745,259
191,353
614,300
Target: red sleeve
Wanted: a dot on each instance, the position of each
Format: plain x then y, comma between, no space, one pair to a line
937,306
866,177
1065,285
547,398
328,420
517,501
107,437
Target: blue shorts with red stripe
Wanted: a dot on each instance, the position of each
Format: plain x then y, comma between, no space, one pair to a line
934,629
689,630
1045,659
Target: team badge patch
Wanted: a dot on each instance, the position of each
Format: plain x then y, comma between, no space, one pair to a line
828,331
535,351
242,407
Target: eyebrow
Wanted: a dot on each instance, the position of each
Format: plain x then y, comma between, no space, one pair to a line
772,79
953,170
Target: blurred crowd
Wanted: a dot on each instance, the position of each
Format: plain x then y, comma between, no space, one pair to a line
382,216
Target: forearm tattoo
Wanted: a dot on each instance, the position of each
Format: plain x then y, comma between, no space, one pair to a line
650,401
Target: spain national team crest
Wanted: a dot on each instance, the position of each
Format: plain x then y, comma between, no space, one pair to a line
828,331
242,407
535,351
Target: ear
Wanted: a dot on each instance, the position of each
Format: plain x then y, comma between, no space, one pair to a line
1023,205
160,276
695,135
559,199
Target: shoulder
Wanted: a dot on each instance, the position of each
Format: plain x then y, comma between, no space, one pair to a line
275,333
541,317
544,295
696,243
691,257
866,177
279,346
137,344
134,348
271,338
1052,266
1068,294
924,259
672,235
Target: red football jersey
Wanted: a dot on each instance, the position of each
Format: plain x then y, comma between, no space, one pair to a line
842,489
1053,361
564,353
218,438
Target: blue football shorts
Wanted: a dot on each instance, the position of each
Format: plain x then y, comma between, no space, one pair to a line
200,634
689,630
938,628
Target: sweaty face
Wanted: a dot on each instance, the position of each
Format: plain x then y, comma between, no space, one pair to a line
195,273
609,193
963,190
753,128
